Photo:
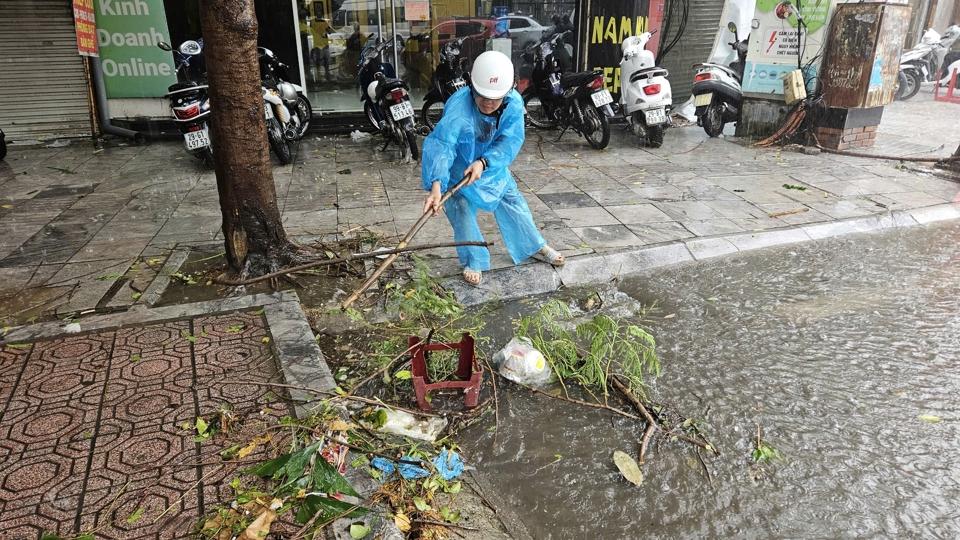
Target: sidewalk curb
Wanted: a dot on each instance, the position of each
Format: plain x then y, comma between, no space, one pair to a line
595,268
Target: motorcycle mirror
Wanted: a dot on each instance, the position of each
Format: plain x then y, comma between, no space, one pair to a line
732,27
190,47
165,46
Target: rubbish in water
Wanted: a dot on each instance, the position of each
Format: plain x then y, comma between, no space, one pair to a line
72,328
628,467
344,171
59,143
469,374
447,463
520,362
405,424
358,135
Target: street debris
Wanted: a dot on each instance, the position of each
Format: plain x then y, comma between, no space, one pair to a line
520,362
628,467
406,425
357,135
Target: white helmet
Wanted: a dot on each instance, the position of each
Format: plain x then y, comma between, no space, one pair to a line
492,75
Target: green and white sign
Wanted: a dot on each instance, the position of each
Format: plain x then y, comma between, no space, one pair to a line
128,32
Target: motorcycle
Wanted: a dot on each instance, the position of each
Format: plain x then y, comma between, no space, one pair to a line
923,62
447,79
287,109
386,99
717,88
567,100
646,99
189,101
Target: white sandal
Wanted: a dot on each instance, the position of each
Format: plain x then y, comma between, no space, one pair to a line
470,271
550,256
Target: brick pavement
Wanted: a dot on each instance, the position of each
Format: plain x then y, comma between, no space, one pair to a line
91,425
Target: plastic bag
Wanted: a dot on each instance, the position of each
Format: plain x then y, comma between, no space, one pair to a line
358,135
520,362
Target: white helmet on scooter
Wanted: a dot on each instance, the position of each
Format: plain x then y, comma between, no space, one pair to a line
492,75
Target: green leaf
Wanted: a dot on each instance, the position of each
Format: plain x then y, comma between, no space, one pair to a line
449,515
134,357
403,375
421,504
327,479
136,296
328,508
235,328
298,461
270,468
794,186
930,419
201,426
454,488
358,531
135,516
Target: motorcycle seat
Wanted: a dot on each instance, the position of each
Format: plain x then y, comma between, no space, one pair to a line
387,85
570,80
183,85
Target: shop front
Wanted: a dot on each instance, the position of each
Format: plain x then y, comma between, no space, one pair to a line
323,41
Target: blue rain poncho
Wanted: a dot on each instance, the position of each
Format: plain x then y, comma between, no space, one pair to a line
462,136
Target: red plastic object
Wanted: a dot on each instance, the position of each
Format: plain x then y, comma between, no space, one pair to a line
469,373
950,96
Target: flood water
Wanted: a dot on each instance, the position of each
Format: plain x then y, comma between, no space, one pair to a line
836,348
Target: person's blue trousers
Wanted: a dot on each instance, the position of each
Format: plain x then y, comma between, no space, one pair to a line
520,234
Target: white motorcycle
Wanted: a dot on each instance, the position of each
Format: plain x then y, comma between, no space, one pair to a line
921,63
645,95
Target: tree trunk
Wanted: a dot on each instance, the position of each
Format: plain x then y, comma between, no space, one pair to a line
253,231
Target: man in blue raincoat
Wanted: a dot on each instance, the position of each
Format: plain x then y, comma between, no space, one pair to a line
480,134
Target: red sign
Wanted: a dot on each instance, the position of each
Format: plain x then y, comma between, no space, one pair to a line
86,24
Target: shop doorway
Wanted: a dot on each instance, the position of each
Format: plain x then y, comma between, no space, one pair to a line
333,34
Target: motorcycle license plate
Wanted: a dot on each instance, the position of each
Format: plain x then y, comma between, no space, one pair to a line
602,98
702,100
197,139
401,110
655,117
268,110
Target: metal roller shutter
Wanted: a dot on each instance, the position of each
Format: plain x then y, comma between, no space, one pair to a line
42,82
694,46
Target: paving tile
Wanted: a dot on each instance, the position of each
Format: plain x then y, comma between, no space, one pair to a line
607,236
566,200
655,233
687,210
712,227
586,217
638,213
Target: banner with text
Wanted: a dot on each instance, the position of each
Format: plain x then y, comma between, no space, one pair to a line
608,24
85,23
778,40
128,32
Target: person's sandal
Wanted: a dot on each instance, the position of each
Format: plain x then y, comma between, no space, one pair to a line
472,277
550,256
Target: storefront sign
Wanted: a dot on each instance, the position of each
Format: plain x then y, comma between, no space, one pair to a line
608,24
778,40
417,10
86,26
128,32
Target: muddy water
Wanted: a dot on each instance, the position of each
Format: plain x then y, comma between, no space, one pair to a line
835,349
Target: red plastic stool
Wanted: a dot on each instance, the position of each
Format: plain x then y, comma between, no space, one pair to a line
469,373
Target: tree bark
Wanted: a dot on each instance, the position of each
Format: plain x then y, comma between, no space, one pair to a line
255,240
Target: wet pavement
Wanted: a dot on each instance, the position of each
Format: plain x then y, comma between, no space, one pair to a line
72,221
843,350
97,430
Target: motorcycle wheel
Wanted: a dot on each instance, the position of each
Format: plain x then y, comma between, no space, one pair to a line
655,136
304,112
430,113
371,117
598,138
712,120
909,85
279,145
412,144
537,113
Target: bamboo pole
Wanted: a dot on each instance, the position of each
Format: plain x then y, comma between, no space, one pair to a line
403,243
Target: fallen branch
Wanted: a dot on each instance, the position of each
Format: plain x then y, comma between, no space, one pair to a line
496,400
445,524
614,410
352,257
651,423
788,212
380,371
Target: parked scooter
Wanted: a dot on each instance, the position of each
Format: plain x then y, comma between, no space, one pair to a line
386,99
288,111
447,79
923,62
189,101
566,100
717,88
645,94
